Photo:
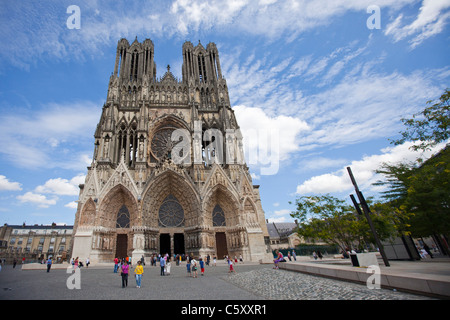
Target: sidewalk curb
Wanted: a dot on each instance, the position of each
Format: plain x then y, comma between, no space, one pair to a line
429,285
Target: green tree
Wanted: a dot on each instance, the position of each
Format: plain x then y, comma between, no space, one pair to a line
430,126
332,220
420,191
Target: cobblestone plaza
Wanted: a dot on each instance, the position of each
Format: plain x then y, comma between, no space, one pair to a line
250,282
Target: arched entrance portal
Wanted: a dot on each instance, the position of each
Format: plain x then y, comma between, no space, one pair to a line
178,243
164,244
221,245
121,246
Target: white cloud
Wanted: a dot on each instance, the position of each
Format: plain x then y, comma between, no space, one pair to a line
365,106
33,31
430,21
38,199
363,171
282,212
29,139
315,163
62,187
277,219
6,185
71,205
267,140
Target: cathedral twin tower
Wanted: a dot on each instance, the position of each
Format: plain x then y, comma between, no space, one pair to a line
168,173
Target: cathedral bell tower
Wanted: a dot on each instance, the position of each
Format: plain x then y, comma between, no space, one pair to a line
168,173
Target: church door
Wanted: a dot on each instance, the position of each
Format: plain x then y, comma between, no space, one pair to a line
221,245
121,246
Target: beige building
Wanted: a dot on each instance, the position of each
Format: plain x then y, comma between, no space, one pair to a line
168,173
34,242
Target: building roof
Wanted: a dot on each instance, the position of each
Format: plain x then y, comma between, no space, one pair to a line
280,229
36,226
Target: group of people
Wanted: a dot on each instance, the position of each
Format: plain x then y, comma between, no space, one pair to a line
124,267
77,263
280,258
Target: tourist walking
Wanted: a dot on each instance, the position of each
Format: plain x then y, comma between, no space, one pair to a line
162,264
124,270
116,264
139,271
230,263
49,264
294,255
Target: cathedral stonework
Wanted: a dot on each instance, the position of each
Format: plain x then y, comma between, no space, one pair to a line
168,173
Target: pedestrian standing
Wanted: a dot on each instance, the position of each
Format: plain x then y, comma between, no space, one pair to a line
116,264
87,262
289,256
124,270
162,264
202,266
214,261
49,264
14,263
188,265
241,260
139,271
194,268
294,255
168,265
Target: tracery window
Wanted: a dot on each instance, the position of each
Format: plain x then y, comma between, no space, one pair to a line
171,213
218,216
123,218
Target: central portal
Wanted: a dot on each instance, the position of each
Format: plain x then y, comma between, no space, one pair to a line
164,244
178,243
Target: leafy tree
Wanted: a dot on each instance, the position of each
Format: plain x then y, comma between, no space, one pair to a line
420,191
332,220
430,126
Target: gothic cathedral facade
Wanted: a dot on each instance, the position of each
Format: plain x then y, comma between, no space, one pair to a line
168,173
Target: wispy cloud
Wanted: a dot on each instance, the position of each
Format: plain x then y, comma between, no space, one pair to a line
43,138
430,21
363,170
31,31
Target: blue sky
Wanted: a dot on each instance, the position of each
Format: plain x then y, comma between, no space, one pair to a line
314,89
